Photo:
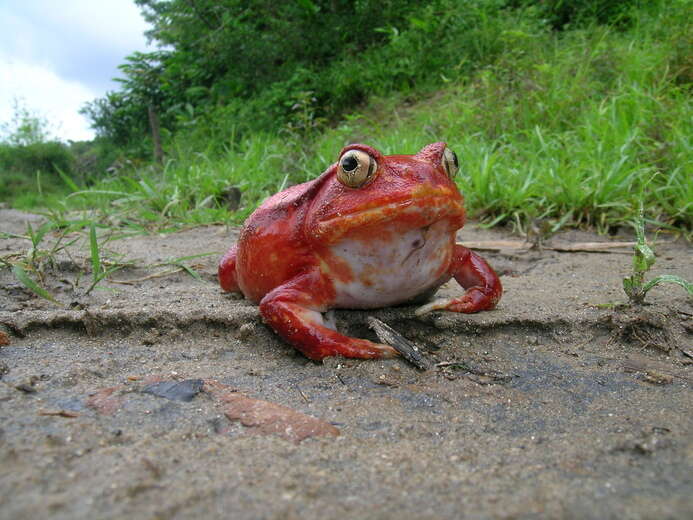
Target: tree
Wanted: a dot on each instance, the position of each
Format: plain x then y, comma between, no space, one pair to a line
26,127
143,82
215,53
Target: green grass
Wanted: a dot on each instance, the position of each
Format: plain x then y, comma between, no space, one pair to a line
573,128
32,267
644,259
30,191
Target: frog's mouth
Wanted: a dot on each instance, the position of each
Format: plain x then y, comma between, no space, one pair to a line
418,211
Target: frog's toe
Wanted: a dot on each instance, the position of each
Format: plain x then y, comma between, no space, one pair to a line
357,348
386,351
436,305
474,300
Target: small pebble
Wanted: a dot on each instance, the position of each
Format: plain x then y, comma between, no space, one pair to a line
246,330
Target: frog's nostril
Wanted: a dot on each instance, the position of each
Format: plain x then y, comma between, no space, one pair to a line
417,243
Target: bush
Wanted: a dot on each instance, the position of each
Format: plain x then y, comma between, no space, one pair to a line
30,171
562,14
440,42
27,160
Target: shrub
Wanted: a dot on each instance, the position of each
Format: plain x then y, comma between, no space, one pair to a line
46,158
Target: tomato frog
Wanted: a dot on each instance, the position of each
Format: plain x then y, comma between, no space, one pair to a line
371,231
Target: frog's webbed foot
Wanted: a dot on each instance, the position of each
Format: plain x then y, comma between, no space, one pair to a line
227,271
473,300
293,311
483,287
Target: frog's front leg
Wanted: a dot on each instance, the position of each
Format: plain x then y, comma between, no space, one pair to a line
294,309
482,286
227,271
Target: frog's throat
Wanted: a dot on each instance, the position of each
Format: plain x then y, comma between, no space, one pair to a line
417,212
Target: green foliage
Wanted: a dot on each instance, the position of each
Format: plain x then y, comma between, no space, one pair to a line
35,173
569,128
29,160
258,64
30,173
46,158
91,160
32,267
635,286
554,131
25,128
564,14
98,271
30,284
191,187
234,68
37,259
118,120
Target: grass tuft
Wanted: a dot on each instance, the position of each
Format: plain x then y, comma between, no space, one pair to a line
644,259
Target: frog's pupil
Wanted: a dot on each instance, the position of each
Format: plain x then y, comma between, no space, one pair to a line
349,163
454,159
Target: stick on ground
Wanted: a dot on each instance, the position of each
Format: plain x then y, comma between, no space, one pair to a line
408,349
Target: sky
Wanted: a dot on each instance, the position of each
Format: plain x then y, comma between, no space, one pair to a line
56,55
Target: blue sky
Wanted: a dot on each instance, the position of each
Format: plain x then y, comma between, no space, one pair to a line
57,55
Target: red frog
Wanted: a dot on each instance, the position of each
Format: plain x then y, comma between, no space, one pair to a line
371,231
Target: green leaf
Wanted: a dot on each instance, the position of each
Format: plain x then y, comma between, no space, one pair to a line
633,289
21,275
95,258
148,189
100,192
670,278
70,183
101,276
309,6
190,271
191,257
30,233
41,232
628,285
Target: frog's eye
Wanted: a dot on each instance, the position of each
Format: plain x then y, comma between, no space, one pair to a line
356,168
450,162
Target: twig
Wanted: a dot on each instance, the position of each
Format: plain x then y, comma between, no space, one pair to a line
149,277
408,349
577,247
302,394
60,413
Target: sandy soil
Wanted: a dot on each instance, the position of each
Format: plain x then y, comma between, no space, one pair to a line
547,407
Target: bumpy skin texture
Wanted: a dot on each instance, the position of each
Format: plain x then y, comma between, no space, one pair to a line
323,245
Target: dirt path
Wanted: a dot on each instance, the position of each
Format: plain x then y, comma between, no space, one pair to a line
545,408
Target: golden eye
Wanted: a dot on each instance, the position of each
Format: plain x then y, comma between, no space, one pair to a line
356,168
450,162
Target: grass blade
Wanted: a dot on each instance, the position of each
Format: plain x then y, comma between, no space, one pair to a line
190,271
69,182
95,258
21,275
192,257
671,278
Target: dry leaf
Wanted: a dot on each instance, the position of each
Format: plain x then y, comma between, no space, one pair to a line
104,401
266,418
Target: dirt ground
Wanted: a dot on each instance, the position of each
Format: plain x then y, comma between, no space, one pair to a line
548,407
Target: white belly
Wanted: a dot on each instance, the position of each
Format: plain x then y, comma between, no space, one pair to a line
395,270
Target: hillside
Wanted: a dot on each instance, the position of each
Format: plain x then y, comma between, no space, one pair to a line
561,116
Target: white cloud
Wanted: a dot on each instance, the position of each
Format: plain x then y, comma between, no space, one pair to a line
59,55
42,91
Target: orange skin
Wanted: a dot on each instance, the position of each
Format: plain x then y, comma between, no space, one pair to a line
322,245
